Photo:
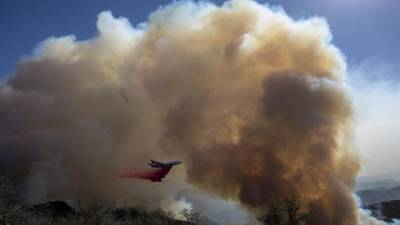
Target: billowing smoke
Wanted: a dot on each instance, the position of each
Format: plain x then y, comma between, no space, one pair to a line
252,101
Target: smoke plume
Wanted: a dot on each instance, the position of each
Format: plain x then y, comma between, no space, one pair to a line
252,101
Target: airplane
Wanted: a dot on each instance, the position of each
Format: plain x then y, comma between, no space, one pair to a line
156,164
160,170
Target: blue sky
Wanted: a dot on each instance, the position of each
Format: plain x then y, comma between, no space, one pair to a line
362,29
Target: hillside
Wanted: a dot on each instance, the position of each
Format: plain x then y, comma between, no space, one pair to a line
386,210
364,184
369,197
13,211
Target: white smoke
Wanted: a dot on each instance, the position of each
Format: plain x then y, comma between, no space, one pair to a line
375,92
175,207
375,89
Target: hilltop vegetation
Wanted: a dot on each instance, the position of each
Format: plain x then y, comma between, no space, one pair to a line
13,211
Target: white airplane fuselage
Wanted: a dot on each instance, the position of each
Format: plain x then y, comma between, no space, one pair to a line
156,164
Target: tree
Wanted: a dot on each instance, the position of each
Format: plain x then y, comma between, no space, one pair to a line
288,212
293,210
91,210
10,204
273,215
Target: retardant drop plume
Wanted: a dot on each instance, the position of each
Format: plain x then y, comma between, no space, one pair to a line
252,101
154,175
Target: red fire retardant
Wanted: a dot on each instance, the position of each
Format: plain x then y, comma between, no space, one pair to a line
154,175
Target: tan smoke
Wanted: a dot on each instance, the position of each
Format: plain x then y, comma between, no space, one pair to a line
252,101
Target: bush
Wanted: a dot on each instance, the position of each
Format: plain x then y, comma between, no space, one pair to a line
191,216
